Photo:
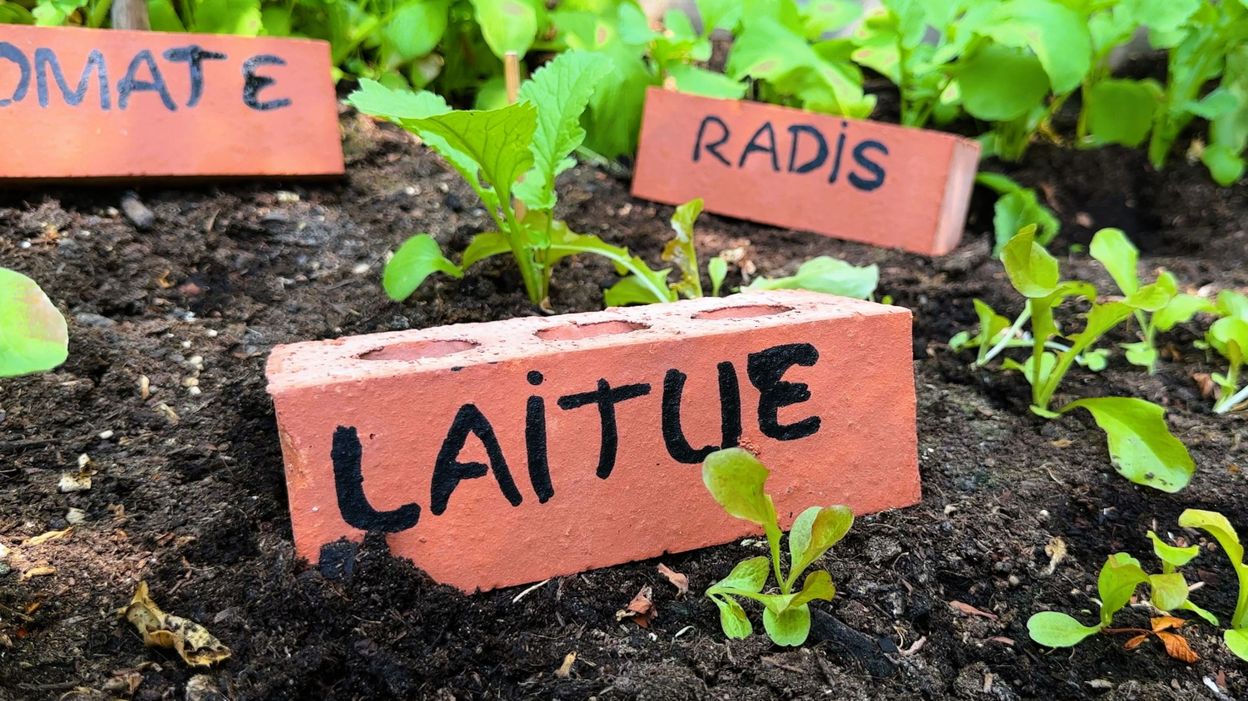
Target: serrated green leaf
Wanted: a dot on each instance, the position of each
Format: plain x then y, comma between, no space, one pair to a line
559,91
396,105
1053,629
1119,256
735,479
814,531
1031,269
418,258
1141,446
791,627
828,275
681,252
732,618
33,334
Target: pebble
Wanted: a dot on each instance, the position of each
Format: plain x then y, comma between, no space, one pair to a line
4,551
137,212
201,687
105,435
71,482
96,321
287,197
75,516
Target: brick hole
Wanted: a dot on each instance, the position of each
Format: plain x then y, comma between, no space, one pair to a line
574,331
416,350
748,311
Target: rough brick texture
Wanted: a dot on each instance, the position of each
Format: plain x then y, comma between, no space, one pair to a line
881,184
507,452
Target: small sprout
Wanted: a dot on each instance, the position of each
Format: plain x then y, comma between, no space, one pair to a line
735,478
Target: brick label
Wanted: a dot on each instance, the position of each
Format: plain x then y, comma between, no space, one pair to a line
860,180
503,453
120,103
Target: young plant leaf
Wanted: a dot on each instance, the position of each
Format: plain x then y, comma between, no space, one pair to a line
790,627
1141,446
717,269
735,479
1217,525
1120,576
396,105
507,25
1172,556
1169,591
1122,111
33,334
559,90
482,246
749,575
1119,256
999,84
1054,629
814,531
682,253
1056,34
732,618
828,275
1032,270
1237,642
818,585
418,258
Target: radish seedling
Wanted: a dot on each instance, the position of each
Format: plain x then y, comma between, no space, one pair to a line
33,335
735,478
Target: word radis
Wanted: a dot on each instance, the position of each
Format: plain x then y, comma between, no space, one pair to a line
865,181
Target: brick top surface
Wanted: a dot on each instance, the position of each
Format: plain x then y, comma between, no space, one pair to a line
356,358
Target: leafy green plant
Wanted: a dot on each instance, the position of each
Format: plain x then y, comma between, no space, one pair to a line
1217,526
1229,337
1115,251
33,335
1017,207
513,151
1140,444
641,57
1205,42
736,479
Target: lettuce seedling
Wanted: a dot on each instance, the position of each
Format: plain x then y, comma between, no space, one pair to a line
1120,576
1016,207
1140,444
1217,526
1229,337
33,334
513,151
736,479
1114,251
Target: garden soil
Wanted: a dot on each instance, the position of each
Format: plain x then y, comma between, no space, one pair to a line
164,391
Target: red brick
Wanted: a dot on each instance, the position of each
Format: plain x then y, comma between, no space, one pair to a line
919,206
398,393
219,135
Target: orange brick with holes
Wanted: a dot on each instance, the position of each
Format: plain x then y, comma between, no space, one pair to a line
502,453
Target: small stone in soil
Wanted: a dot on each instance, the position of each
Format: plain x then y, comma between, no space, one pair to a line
137,212
96,321
75,516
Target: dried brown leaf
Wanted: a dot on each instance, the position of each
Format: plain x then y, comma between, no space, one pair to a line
45,537
678,580
641,609
971,610
1161,623
1136,641
1056,550
193,642
39,571
1206,384
1178,648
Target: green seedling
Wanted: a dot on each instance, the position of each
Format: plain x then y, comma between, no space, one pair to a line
1229,337
1117,583
516,152
736,480
1140,444
1114,251
779,44
33,335
1017,207
1217,526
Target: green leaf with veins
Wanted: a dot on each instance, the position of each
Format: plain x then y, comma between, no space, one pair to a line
33,334
1054,629
1169,591
828,275
682,253
1032,270
735,478
1120,576
559,90
748,575
1056,34
1141,446
1000,84
790,627
732,618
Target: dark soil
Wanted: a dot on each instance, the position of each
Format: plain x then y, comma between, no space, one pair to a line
188,491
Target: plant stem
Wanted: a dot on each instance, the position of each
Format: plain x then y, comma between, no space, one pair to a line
773,542
1010,334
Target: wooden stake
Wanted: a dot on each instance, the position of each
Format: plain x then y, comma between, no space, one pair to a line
511,74
130,14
